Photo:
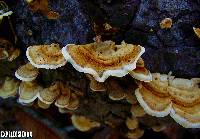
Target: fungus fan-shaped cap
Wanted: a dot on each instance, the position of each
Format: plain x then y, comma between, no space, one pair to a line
188,117
95,85
83,124
28,92
45,56
73,102
132,123
8,88
197,31
141,74
63,100
26,72
166,23
116,92
153,104
135,134
48,95
43,105
103,59
184,91
159,84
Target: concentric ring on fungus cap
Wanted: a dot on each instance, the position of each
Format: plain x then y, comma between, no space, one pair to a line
26,72
45,56
49,95
140,72
63,100
103,59
28,92
175,96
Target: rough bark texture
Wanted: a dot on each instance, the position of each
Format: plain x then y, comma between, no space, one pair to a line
176,49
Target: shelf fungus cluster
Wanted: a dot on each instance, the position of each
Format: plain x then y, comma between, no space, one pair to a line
197,31
59,93
103,59
167,95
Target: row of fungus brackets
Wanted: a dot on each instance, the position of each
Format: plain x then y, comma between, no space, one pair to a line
29,89
167,95
63,96
47,57
99,59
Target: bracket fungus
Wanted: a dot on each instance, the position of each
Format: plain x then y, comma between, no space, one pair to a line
103,59
63,100
26,72
140,72
83,124
28,92
4,10
48,95
67,100
132,123
115,91
73,102
135,134
8,88
95,85
45,56
166,23
167,95
197,31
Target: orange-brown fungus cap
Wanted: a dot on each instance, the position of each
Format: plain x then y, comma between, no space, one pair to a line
197,31
116,92
103,59
95,85
83,124
167,95
48,95
166,23
45,56
28,92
